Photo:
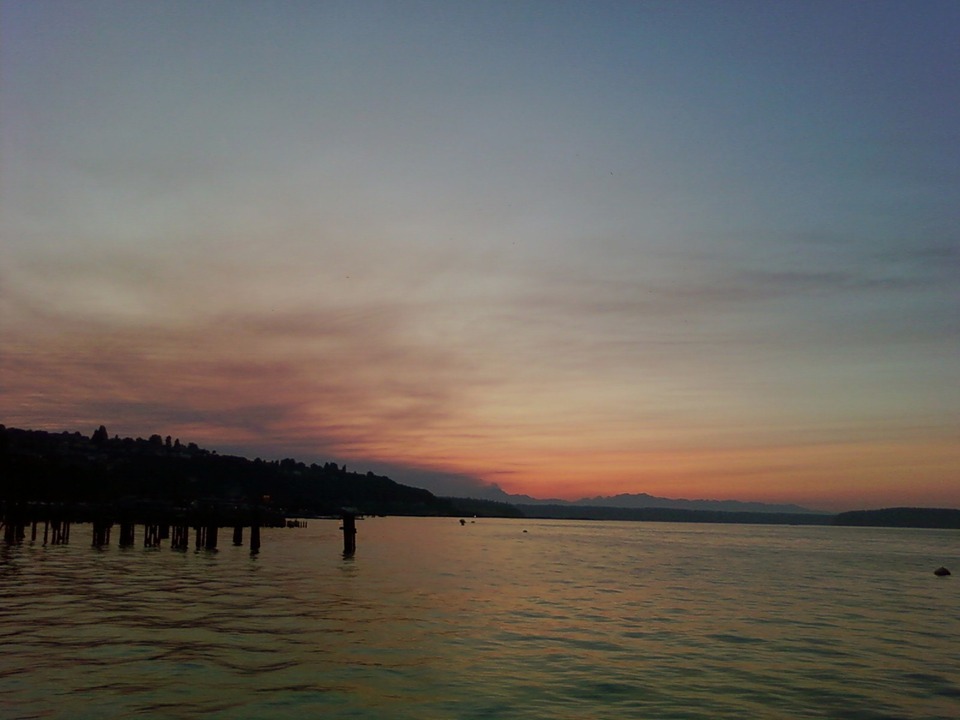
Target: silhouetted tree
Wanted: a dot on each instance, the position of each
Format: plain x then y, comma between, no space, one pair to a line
100,436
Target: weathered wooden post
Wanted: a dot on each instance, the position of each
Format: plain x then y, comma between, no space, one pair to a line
211,537
101,533
201,536
127,531
349,528
180,537
61,529
33,531
46,530
238,535
255,537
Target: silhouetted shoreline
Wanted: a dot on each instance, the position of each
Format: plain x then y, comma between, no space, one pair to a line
80,473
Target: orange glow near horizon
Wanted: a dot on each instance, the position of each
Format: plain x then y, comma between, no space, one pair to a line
285,407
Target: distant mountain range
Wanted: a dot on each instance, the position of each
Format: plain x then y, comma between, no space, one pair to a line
643,500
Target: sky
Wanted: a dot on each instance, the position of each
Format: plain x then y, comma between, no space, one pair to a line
564,249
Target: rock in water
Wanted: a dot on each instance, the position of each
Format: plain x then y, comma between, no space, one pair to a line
941,571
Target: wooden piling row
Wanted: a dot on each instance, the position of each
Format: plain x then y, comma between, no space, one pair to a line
180,537
101,533
60,533
14,519
151,536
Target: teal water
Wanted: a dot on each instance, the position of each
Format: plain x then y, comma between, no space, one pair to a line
495,619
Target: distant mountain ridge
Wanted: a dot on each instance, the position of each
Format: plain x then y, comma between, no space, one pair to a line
643,500
638,500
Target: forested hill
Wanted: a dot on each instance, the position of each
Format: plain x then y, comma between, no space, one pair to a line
901,517
67,467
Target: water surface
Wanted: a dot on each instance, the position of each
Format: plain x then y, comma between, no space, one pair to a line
495,619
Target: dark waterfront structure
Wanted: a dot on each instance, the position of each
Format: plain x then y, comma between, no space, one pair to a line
202,521
159,524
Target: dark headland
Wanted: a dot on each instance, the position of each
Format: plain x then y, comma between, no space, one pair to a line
78,471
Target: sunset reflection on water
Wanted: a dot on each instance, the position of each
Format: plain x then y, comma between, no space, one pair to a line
431,619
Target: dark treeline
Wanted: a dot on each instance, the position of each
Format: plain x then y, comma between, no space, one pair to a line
73,469
901,517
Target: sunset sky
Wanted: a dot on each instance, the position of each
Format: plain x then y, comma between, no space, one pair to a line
692,249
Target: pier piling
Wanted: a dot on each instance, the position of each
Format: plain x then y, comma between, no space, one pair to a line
349,528
254,539
101,533
180,537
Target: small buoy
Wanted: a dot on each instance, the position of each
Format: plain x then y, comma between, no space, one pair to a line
941,571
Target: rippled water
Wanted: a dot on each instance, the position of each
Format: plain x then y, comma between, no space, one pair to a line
496,619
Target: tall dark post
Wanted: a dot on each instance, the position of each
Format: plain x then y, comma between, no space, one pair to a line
238,535
127,531
349,533
101,533
255,526
180,537
255,538
211,539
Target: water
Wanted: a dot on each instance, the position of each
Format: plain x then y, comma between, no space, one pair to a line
434,620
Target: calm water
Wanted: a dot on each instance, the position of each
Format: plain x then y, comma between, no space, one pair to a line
434,620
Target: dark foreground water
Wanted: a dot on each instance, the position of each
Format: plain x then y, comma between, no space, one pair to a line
434,620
